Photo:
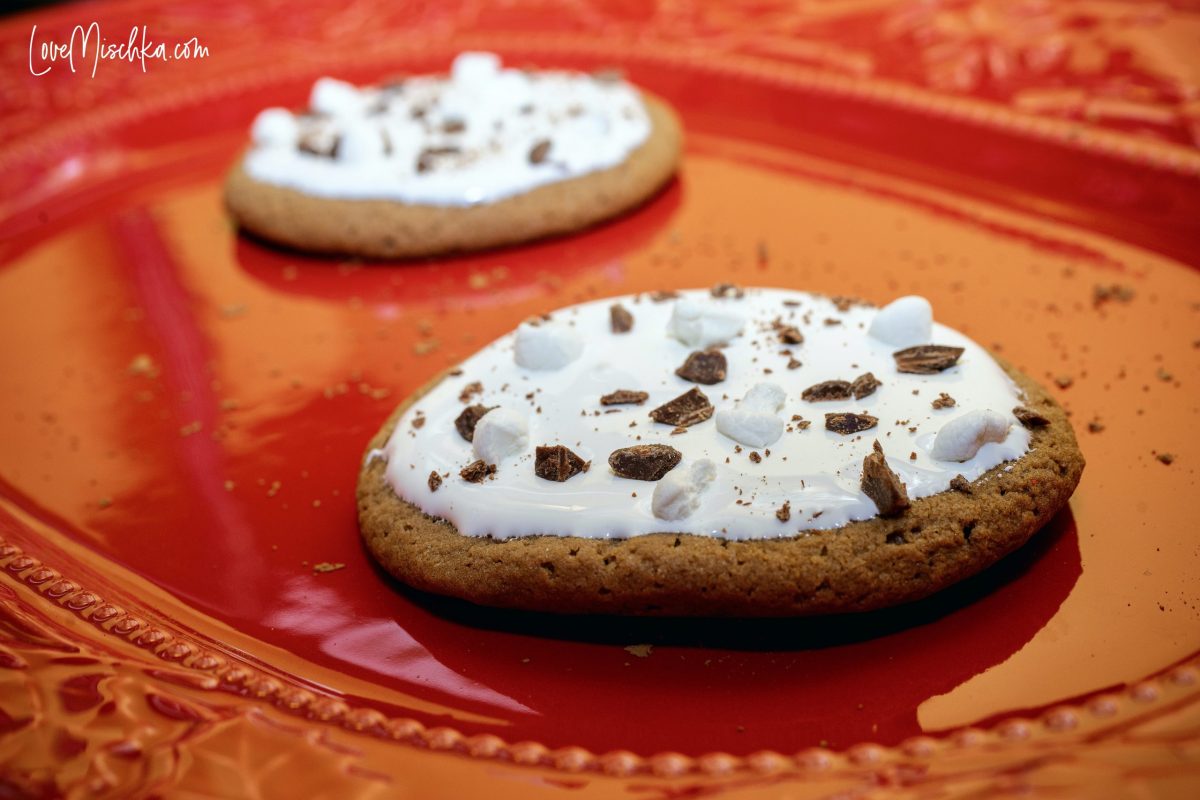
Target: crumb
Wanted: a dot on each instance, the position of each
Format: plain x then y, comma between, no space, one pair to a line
640,650
326,566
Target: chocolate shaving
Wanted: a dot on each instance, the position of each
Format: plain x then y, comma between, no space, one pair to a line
826,390
882,485
926,359
755,457
1030,418
684,411
663,296
539,152
314,147
620,318
728,290
435,481
704,366
789,334
557,463
944,401
477,471
849,423
622,397
454,126
427,157
644,462
794,363
466,421
471,389
960,484
784,512
864,385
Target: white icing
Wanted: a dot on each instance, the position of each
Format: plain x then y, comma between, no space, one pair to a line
754,422
381,133
904,322
816,470
500,433
960,438
677,495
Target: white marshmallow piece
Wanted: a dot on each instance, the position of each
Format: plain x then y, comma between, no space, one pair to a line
360,143
500,433
904,322
336,98
474,68
678,494
754,422
960,438
546,345
274,127
699,324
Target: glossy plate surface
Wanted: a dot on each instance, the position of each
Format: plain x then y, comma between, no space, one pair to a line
183,412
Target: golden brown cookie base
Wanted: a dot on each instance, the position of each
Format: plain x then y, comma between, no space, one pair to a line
388,229
860,566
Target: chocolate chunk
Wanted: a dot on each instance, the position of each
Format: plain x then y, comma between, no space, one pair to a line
794,364
826,390
684,411
468,419
539,152
622,397
882,485
620,318
784,512
644,462
477,471
1166,458
470,390
944,401
849,423
755,457
435,481
703,366
926,359
728,290
1030,418
960,484
418,422
789,334
864,385
557,463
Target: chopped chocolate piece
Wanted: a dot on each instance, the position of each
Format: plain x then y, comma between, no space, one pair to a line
454,126
1166,458
623,397
620,318
684,411
1095,426
477,471
466,421
644,462
849,423
755,457
784,512
728,290
557,463
703,366
882,485
926,359
827,390
316,147
845,303
944,401
1029,418
539,152
418,422
435,481
790,334
864,385
801,422
662,296
960,484
427,157
794,364
470,390
830,321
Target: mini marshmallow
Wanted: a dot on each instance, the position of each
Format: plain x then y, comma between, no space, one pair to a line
678,494
904,322
500,433
699,324
334,97
546,345
472,67
960,438
274,127
754,422
359,143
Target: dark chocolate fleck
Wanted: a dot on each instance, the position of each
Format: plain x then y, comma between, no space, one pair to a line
1030,418
454,126
755,457
704,366
622,397
790,334
620,318
663,296
944,401
688,409
849,423
882,485
539,152
477,471
794,364
926,359
644,462
1166,458
418,422
557,463
728,290
435,481
784,512
468,419
323,149
864,385
470,390
827,390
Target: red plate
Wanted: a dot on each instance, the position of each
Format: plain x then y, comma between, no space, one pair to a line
183,412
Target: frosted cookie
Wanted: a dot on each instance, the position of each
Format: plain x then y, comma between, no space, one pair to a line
479,158
757,452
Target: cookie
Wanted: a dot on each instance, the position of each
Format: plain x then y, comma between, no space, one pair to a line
430,165
838,458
